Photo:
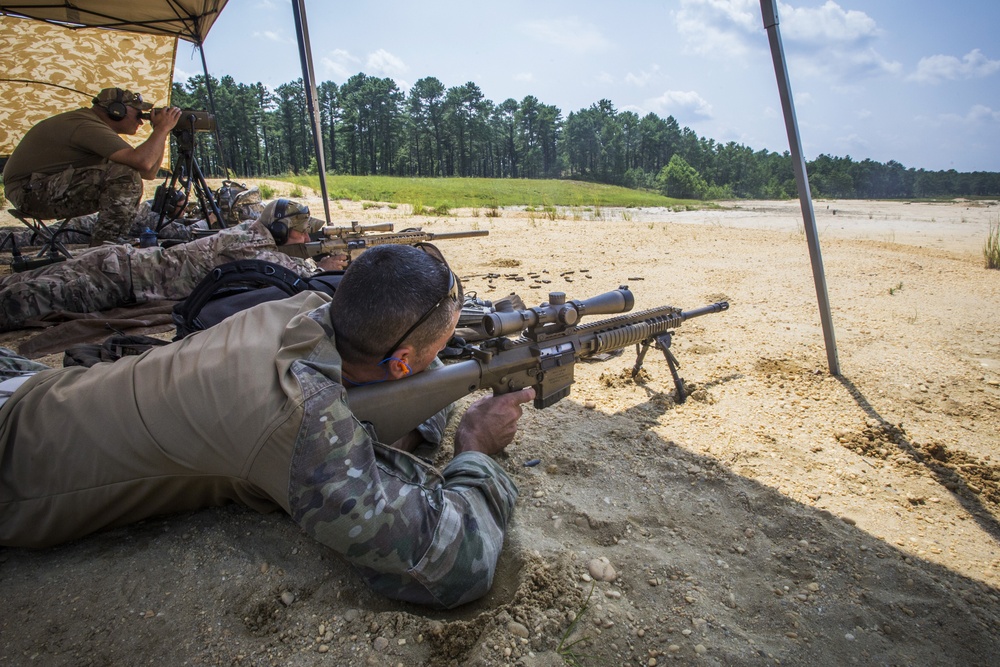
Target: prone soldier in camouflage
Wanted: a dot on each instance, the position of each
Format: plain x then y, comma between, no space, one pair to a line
240,205
254,411
75,163
120,275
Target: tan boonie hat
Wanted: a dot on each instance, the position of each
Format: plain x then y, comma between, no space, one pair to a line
293,213
126,97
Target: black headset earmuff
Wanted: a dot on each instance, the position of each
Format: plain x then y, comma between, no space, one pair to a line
278,228
117,109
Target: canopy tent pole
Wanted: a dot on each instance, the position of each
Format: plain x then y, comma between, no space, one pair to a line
309,81
769,13
211,103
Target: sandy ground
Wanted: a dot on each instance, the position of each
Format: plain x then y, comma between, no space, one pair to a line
781,515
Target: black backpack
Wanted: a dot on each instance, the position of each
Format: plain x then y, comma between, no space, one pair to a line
236,286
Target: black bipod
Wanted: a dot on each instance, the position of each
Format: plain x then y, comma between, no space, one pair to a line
662,342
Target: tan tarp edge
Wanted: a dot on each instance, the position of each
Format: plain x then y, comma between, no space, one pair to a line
188,19
46,69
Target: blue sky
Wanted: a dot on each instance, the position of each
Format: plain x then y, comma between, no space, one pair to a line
917,81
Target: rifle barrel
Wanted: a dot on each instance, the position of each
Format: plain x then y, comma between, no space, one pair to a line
459,235
706,310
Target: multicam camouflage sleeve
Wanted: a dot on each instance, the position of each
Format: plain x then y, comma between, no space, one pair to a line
415,533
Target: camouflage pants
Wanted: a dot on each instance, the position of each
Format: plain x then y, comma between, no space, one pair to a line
175,231
12,364
94,280
118,275
112,189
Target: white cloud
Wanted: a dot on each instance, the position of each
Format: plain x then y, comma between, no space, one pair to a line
977,115
827,41
341,64
269,35
384,63
719,28
569,34
642,78
937,68
825,25
982,113
524,76
183,75
677,102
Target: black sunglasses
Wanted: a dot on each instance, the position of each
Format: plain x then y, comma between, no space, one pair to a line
454,291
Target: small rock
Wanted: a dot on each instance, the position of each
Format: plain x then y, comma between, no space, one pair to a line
601,569
380,644
518,630
287,598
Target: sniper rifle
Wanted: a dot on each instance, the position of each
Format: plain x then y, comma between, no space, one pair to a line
353,240
552,340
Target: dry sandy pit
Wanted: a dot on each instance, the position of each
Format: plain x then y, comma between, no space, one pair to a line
781,515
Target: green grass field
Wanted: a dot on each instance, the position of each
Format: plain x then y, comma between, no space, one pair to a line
447,193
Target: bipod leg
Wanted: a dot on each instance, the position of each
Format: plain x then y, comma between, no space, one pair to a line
9,239
640,355
53,247
663,342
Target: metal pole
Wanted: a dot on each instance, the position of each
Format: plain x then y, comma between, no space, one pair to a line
309,81
211,103
769,12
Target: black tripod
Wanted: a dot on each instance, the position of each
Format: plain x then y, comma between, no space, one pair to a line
187,173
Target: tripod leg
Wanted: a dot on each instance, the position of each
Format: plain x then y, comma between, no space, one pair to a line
206,194
163,219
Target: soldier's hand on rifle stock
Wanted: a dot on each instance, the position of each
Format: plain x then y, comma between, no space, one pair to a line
334,262
490,423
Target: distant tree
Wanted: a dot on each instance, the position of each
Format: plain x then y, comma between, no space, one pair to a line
369,126
681,180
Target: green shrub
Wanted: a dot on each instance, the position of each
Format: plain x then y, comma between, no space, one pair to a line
991,249
266,191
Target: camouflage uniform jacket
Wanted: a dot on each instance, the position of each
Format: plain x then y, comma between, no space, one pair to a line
111,276
254,411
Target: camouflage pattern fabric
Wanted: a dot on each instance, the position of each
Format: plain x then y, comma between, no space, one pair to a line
118,275
238,203
415,533
13,365
39,59
112,189
178,230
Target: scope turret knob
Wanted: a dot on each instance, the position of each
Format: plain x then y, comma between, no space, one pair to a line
557,298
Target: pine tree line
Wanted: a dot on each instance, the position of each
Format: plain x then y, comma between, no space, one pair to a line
371,127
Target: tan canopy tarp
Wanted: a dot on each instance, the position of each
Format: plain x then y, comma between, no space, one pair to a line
46,69
188,19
